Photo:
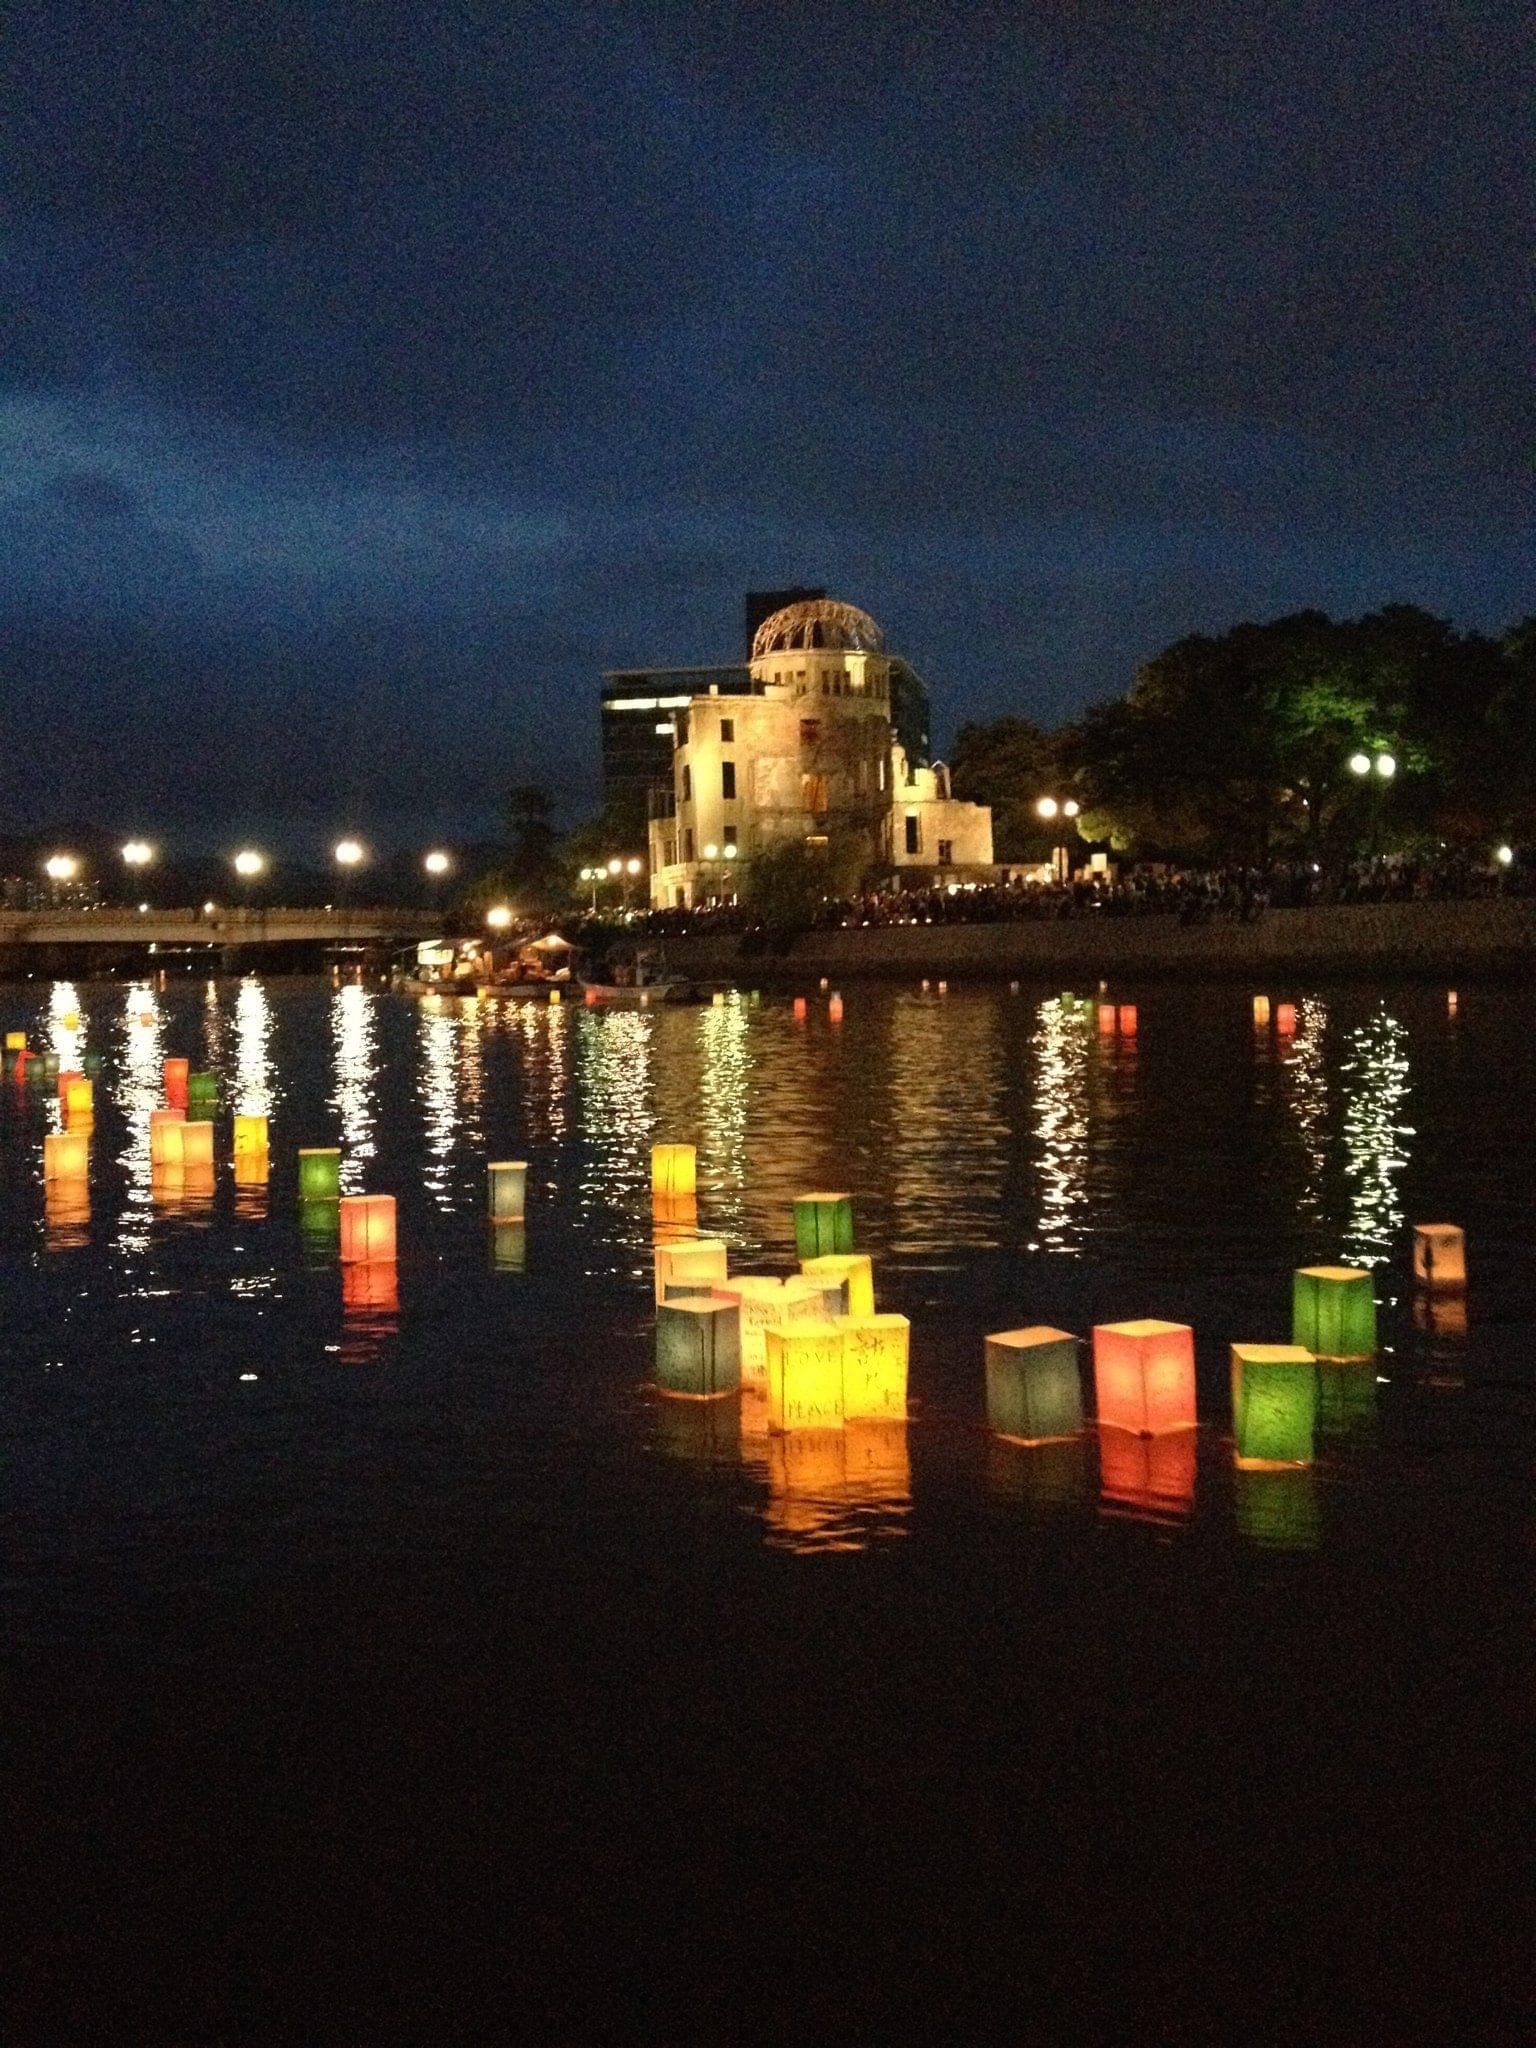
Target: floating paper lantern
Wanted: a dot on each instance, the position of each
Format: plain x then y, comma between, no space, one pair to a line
674,1171
1333,1312
1285,1019
80,1101
835,1009
1126,1020
147,1019
367,1228
824,984
717,1000
674,1218
50,1066
1106,1016
764,1302
165,1136
250,1136
507,1187
1440,1257
698,1349
590,998
67,1078
943,988
15,1041
823,1223
853,1272
1274,1404
66,1156
1013,988
800,1009
202,1095
176,1076
1450,1002
876,1351
554,998
805,1376
1151,1478
319,1173
1144,1376
925,988
1034,1385
695,1262
1261,1010
509,1248
92,1063
196,1144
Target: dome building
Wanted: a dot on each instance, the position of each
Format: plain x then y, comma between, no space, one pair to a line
807,755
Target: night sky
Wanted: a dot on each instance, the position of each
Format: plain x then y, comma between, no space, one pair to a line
375,375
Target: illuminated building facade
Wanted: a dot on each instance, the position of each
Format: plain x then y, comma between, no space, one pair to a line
809,754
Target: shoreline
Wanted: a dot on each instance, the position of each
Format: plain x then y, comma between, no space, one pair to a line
1490,938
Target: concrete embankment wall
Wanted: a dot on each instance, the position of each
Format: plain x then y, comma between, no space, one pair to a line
1496,937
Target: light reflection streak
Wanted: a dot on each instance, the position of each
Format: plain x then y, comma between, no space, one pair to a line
613,1075
1375,1080
354,1033
213,1029
138,1083
1062,1057
947,1138
254,1083
439,1102
1304,1082
724,1091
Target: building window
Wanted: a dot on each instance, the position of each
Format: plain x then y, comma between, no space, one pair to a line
810,731
946,853
730,835
687,783
727,730
914,833
728,781
681,730
688,843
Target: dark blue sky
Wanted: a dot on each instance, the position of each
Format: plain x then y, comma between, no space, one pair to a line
375,375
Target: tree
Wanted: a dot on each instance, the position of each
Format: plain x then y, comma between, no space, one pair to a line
1009,764
532,871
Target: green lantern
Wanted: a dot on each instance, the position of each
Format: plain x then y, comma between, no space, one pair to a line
1274,1404
823,1224
319,1173
698,1348
1034,1387
202,1097
1333,1312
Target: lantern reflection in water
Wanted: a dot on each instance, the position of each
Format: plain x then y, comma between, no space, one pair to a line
367,1229
823,1224
837,1489
1051,1475
370,1311
1034,1386
805,1376
1149,1478
692,1262
1278,1510
698,1349
1346,1398
674,1172
704,1433
853,1273
1144,1376
876,1352
675,1219
509,1248
1440,1257
1274,1404
1333,1312
319,1231
66,1214
1439,1315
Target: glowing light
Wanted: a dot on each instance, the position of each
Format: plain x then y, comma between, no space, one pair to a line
498,917
1376,1082
1274,1404
1504,855
805,1376
689,1267
615,866
1333,1312
1359,764
674,1170
876,1349
1047,807
1070,808
367,1229
853,1272
437,863
711,852
248,862
61,867
1034,1389
632,867
1440,1257
698,1349
319,1173
507,1181
1386,766
1144,1376
138,853
348,853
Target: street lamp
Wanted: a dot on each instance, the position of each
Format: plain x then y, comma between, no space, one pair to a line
1504,855
436,864
61,867
138,853
498,917
1049,808
349,853
1359,764
1386,767
249,863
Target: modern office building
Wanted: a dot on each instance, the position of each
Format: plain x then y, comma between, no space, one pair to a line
807,752
639,713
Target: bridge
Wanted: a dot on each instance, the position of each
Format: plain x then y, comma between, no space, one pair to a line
227,927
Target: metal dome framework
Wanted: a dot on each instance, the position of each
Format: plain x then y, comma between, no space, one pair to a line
818,622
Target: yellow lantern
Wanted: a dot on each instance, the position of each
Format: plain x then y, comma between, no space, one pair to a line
80,1102
696,1263
1261,1010
66,1156
764,1301
1440,1257
674,1171
876,1350
250,1136
805,1376
197,1145
554,998
853,1272
165,1136
15,1041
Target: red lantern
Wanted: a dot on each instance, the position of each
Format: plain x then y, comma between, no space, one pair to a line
367,1229
1144,1376
176,1072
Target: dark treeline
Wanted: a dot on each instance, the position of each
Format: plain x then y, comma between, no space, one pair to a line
1307,738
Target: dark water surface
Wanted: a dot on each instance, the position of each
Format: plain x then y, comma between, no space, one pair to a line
395,1665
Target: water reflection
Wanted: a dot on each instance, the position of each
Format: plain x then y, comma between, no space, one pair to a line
1375,1080
140,1055
1304,1081
1061,1046
827,1489
254,1073
1048,1477
370,1313
1147,1478
723,1091
66,1214
613,1074
354,1035
947,1144
1278,1510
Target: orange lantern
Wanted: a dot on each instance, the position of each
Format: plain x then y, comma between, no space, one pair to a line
1106,1016
165,1136
1285,1019
800,1009
66,1210
367,1229
1440,1257
674,1218
1450,1002
1144,1376
1126,1020
67,1078
176,1073
370,1287
835,1009
197,1146
66,1156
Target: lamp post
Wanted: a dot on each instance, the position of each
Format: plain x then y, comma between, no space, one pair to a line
250,866
592,876
1380,768
61,869
136,856
1050,808
435,864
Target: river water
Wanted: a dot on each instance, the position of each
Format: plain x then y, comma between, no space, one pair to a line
387,1661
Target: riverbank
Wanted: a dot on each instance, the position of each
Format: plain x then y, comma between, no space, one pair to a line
1493,938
